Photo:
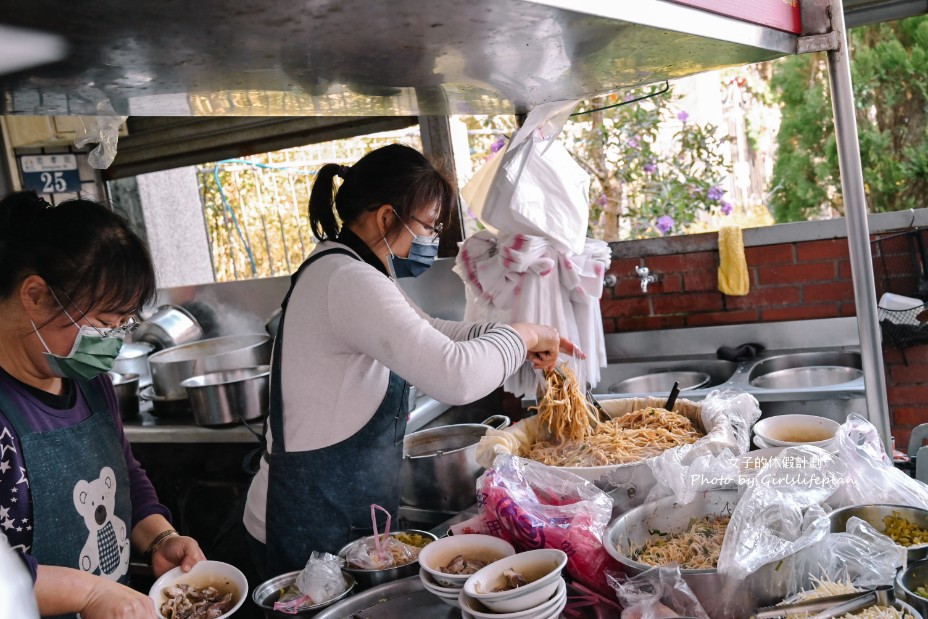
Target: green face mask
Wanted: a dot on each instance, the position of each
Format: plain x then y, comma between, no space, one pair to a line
91,355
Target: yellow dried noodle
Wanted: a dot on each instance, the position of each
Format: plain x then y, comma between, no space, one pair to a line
630,438
564,410
697,548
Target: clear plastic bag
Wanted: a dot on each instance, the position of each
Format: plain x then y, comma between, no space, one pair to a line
318,582
711,462
781,515
534,506
103,131
655,594
872,478
380,551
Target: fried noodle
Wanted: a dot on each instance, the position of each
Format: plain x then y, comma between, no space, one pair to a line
829,588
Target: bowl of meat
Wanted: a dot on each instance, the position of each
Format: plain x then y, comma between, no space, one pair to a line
451,560
519,582
211,589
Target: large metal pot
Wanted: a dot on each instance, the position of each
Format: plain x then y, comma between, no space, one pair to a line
171,366
720,596
229,396
170,325
127,394
133,359
440,465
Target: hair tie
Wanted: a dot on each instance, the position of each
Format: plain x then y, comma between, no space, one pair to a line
343,171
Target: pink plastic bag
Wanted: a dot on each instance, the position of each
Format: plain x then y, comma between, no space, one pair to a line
534,506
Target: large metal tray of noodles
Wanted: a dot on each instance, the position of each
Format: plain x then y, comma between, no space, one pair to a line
407,598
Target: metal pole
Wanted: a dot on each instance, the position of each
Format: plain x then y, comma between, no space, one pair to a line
858,233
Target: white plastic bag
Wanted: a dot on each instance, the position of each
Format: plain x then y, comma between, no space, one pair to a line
103,131
872,478
538,188
711,462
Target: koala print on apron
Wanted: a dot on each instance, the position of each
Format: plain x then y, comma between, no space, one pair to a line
79,485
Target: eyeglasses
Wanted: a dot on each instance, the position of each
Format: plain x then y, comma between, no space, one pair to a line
435,230
120,331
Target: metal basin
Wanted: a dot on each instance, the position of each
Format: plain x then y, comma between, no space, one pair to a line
804,360
874,515
719,371
910,579
269,592
659,382
807,377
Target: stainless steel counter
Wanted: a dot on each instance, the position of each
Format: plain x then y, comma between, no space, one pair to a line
150,429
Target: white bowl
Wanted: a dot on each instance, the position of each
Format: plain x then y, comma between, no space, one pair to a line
546,609
541,568
221,575
791,430
439,553
429,583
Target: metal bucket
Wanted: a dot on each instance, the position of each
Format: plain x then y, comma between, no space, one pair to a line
127,394
173,365
133,359
229,396
170,325
440,465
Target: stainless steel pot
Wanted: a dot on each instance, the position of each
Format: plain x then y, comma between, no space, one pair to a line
171,366
721,597
268,592
170,325
133,359
229,396
440,465
127,394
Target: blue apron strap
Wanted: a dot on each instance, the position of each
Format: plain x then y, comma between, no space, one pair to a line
276,414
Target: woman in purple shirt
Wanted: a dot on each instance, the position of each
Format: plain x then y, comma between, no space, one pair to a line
73,499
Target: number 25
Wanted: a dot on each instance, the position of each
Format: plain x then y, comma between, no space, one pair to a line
53,182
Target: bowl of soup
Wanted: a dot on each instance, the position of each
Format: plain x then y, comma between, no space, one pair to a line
793,430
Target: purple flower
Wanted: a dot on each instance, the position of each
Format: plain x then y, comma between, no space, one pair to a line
634,143
498,144
716,193
683,116
727,207
602,199
650,167
665,224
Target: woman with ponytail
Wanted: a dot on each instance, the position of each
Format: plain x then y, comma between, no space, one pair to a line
73,499
349,345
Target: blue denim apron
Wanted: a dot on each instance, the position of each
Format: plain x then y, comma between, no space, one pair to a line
79,483
321,499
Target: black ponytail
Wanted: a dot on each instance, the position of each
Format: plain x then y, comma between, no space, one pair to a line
82,249
395,174
322,219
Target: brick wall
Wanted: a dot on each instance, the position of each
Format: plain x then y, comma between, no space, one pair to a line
788,281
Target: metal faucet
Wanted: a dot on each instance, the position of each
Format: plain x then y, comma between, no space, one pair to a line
644,273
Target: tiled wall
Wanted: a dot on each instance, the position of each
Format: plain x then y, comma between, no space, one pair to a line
788,281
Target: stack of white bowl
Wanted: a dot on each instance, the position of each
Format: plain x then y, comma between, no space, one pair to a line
544,596
440,553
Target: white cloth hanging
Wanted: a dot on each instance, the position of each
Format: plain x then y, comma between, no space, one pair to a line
522,278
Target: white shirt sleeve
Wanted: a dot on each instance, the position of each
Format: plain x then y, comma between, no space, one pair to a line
373,317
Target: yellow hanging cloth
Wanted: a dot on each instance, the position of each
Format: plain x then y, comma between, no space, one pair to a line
733,268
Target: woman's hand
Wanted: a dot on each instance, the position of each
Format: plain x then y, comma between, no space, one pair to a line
111,600
176,550
544,343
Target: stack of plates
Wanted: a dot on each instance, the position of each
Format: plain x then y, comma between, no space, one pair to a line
549,609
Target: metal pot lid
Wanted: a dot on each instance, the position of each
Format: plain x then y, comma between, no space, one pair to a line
133,350
123,379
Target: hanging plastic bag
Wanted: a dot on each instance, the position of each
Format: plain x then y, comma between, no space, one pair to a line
533,506
872,478
318,582
655,594
711,462
475,192
103,131
781,515
539,189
